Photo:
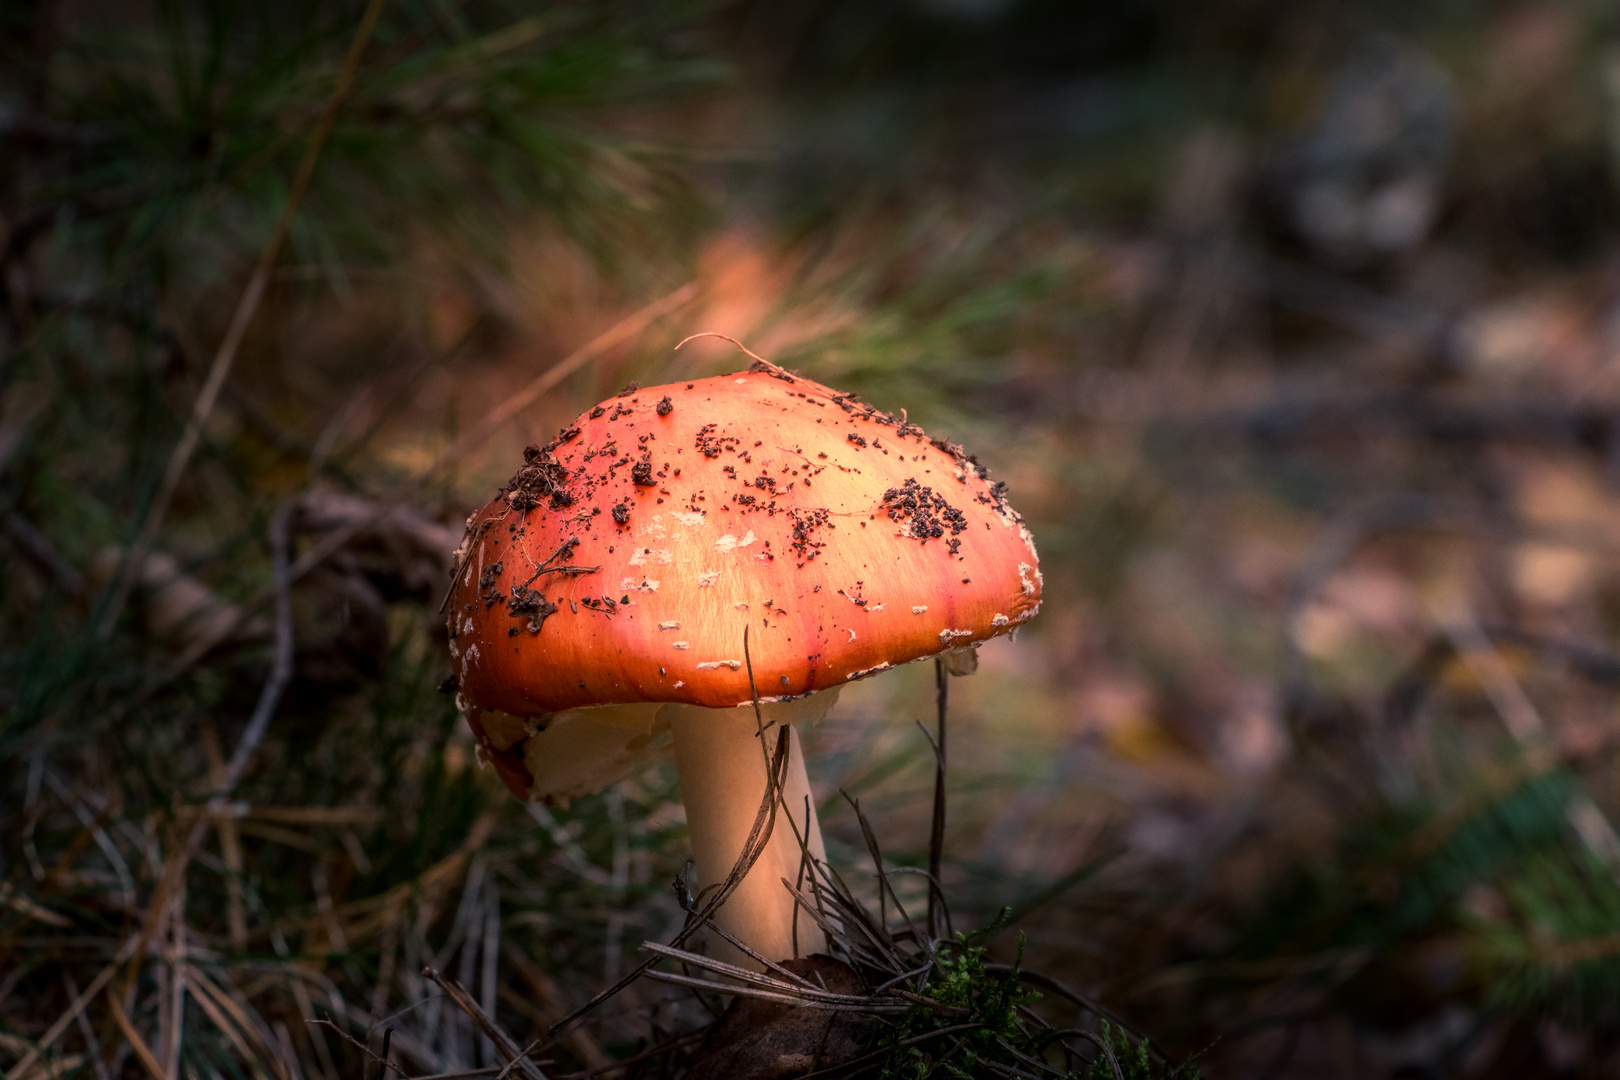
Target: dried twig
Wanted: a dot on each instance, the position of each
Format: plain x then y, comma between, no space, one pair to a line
174,1022
879,1055
751,953
651,1052
884,884
828,926
772,989
172,878
799,988
758,837
92,1043
730,990
725,337
38,547
78,1005
282,662
1528,729
143,1052
873,929
475,436
936,833
1094,1038
246,308
382,1065
383,1061
208,991
212,1010
1063,990
505,1045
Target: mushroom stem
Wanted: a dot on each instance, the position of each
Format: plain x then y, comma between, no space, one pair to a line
723,776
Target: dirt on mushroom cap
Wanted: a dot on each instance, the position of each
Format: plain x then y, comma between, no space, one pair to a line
844,538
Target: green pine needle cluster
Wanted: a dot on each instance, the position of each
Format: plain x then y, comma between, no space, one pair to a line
1499,880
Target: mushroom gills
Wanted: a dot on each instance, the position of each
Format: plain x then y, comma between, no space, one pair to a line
963,660
583,751
721,763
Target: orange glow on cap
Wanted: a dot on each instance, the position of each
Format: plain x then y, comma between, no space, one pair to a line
624,560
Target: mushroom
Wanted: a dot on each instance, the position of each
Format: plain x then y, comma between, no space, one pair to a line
599,602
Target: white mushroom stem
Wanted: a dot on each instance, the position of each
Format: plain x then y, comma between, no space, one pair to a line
723,773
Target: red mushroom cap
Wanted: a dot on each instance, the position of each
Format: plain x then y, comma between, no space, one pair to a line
624,560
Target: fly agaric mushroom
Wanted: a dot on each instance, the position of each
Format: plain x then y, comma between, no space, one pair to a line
598,606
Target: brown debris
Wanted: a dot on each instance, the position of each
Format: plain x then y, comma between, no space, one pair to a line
928,514
542,475
767,1040
531,604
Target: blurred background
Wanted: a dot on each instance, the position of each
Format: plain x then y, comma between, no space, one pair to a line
1294,329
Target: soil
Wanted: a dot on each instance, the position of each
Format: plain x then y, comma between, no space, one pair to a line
764,1040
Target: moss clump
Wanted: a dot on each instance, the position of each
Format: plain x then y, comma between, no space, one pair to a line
975,1023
